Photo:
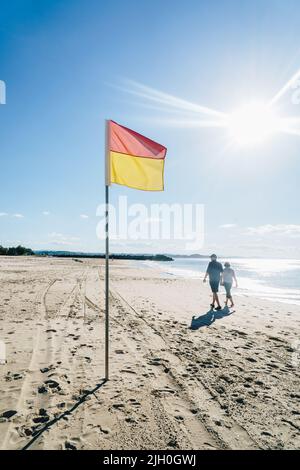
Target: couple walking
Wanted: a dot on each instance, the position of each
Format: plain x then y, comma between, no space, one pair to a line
218,275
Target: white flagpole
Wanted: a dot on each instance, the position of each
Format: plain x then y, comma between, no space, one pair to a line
107,184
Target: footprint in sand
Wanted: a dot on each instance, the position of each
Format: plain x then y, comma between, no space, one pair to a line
47,369
41,419
17,376
118,406
128,371
8,414
251,359
70,446
130,420
259,383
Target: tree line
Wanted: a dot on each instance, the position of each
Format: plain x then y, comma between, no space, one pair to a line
16,251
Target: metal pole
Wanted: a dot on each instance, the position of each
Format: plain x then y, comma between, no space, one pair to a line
106,283
107,183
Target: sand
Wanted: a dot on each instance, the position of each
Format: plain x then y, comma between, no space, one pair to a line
232,382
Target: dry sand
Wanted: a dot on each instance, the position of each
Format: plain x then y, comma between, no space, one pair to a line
232,383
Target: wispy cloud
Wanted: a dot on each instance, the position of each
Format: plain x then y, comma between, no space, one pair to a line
62,236
277,229
61,239
84,216
228,226
63,243
18,216
3,214
46,213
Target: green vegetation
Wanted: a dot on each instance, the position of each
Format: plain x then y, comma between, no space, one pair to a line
73,254
16,251
22,251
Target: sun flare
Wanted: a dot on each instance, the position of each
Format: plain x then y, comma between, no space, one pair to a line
253,123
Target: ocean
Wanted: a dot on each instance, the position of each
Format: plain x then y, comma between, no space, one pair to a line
272,279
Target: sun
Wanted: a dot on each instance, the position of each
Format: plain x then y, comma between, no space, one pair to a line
253,123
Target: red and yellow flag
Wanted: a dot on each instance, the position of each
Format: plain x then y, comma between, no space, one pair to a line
134,160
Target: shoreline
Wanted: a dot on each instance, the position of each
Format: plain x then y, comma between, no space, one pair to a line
230,383
266,290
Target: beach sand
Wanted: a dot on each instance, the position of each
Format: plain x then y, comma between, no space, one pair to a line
232,382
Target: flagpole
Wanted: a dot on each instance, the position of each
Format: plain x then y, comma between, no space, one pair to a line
107,182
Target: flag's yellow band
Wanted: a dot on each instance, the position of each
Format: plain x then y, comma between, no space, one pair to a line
137,172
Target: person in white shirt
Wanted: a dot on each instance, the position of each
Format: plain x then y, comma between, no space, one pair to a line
228,276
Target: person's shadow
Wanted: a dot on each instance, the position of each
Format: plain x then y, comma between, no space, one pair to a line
209,317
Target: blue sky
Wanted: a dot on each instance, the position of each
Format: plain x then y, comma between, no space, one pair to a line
65,64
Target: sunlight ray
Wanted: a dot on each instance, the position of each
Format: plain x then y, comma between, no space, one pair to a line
291,120
285,88
184,114
192,123
152,94
247,125
289,125
290,131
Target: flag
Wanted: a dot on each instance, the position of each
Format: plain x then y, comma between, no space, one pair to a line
134,160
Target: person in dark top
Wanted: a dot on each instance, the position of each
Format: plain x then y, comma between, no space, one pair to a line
214,271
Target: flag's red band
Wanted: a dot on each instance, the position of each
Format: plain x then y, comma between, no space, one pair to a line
129,142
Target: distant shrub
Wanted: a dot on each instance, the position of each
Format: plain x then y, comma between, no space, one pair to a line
16,251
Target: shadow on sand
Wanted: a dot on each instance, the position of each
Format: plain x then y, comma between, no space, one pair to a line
210,317
80,400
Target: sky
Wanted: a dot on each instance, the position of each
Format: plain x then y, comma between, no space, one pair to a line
68,65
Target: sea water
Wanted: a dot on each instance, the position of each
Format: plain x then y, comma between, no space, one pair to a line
272,279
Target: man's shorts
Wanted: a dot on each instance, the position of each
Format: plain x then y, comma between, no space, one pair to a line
214,285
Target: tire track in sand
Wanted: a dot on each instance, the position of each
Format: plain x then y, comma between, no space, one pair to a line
29,375
48,340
